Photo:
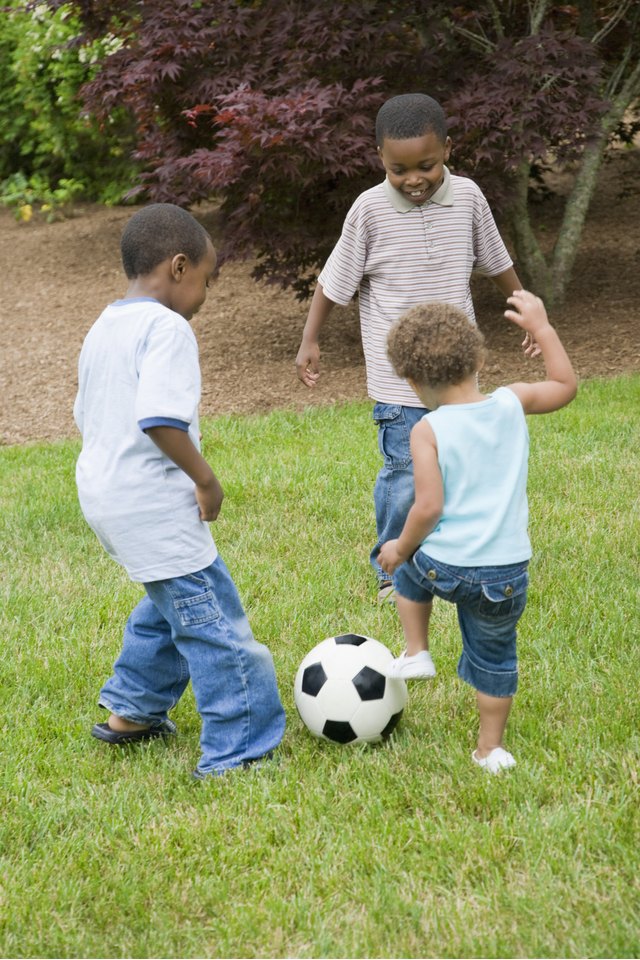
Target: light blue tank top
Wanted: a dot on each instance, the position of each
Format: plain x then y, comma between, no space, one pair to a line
483,451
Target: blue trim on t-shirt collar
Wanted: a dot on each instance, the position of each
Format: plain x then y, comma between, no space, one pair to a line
119,303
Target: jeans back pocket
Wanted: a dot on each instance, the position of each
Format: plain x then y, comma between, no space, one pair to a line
502,598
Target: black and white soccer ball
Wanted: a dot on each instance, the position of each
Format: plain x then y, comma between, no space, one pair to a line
342,693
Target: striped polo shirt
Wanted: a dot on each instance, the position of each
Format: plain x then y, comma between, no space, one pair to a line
398,255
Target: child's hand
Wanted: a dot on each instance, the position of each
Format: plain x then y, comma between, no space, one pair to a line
308,363
388,556
209,498
530,347
530,314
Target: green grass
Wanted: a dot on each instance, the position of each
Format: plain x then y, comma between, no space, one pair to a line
404,850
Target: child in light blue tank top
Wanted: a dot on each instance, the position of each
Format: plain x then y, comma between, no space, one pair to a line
465,538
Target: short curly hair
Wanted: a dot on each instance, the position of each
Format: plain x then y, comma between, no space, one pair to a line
410,115
159,231
435,345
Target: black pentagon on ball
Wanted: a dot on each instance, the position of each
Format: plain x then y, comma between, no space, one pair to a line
313,679
390,727
340,731
370,684
353,639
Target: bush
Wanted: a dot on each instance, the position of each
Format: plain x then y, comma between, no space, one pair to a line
48,136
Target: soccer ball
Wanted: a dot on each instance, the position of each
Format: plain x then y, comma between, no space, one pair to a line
342,694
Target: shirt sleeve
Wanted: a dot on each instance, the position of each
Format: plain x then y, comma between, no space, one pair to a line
345,268
162,422
491,257
168,373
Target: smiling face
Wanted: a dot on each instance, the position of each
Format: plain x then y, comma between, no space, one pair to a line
415,167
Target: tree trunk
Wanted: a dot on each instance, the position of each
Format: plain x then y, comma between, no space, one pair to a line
577,205
532,267
575,213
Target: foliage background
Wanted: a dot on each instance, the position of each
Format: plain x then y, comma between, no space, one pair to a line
49,140
270,106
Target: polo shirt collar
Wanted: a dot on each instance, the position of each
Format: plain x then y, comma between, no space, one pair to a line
443,195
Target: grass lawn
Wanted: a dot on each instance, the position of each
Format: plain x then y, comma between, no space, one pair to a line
403,850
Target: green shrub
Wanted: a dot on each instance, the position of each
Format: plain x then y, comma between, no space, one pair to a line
27,194
47,136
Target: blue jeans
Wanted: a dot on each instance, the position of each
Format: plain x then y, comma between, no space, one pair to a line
194,628
489,602
393,494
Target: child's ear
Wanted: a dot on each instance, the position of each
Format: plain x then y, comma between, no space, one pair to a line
178,266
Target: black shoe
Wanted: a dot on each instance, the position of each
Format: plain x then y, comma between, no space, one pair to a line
386,591
102,731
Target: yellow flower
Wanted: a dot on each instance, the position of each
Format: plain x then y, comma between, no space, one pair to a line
45,208
26,212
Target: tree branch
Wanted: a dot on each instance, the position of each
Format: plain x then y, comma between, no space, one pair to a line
537,13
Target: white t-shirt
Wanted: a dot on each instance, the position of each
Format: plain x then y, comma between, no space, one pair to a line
399,255
139,364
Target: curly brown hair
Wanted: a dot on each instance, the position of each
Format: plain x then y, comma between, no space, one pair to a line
435,345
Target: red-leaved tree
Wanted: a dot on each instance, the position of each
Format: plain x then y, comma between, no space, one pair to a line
269,105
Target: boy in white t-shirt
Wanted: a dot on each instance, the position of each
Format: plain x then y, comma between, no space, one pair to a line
148,494
465,538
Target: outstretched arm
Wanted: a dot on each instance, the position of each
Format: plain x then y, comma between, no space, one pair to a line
561,386
176,444
308,359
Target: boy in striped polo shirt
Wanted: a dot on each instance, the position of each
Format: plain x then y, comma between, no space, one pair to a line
412,239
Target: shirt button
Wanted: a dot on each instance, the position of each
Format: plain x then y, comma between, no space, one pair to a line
432,574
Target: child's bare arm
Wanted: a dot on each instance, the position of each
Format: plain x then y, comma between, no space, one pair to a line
560,387
177,445
507,282
429,498
308,359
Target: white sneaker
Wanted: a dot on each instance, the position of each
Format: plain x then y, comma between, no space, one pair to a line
418,667
495,761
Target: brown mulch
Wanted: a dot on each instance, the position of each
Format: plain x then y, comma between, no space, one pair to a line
57,278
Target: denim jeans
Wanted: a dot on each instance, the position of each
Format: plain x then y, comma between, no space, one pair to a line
393,493
489,602
194,628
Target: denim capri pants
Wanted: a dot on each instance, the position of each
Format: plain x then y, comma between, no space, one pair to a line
489,602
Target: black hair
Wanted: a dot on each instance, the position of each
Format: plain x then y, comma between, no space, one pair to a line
157,232
410,115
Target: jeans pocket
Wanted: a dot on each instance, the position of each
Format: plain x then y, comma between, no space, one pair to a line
198,578
435,577
502,598
393,434
199,609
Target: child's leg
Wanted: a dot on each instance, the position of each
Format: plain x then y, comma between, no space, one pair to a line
394,492
232,675
488,620
414,618
494,712
149,676
415,663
